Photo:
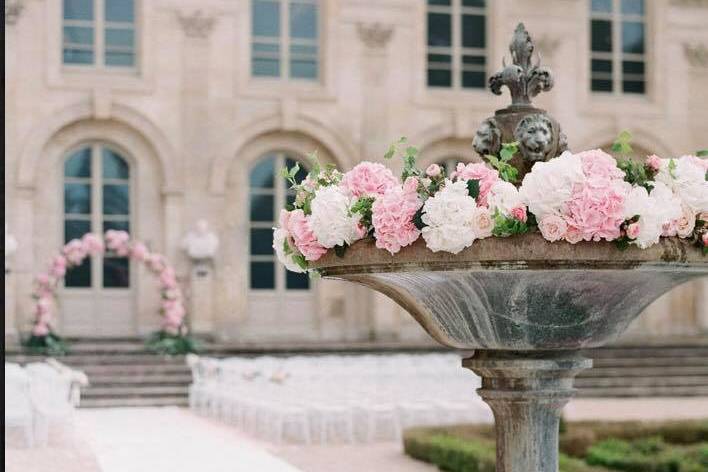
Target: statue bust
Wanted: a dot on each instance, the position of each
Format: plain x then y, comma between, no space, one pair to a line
201,244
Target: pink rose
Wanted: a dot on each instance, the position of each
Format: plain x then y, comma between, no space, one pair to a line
686,223
392,217
303,237
155,262
519,213
654,162
139,251
368,179
58,269
44,305
92,244
168,278
433,170
43,280
74,252
633,230
118,242
40,329
573,235
477,171
482,223
705,239
552,227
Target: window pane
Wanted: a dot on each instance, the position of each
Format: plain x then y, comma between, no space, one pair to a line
633,86
473,79
296,281
114,166
301,174
120,59
439,59
75,229
262,275
439,29
303,69
604,6
78,35
473,31
116,272
77,56
262,207
601,65
633,37
266,67
77,199
473,3
79,164
480,60
303,20
261,241
633,7
439,78
78,9
266,18
122,37
120,225
632,67
268,48
601,35
119,10
79,276
601,85
262,174
438,2
116,199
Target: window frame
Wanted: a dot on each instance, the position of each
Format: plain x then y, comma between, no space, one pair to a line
284,42
617,56
100,26
456,11
96,217
280,192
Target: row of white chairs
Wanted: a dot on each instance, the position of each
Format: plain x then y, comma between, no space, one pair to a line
39,397
325,399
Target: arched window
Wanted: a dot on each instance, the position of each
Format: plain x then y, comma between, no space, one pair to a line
268,195
96,199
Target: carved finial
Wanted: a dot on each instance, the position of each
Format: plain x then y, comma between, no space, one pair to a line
196,24
696,54
13,8
376,35
523,79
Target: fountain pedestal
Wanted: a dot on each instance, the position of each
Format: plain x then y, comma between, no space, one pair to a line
527,392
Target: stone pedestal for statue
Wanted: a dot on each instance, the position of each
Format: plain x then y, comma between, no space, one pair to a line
201,246
526,307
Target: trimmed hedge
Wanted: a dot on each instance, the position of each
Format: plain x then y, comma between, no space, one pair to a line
676,446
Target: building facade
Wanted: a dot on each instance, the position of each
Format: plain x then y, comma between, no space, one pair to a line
149,115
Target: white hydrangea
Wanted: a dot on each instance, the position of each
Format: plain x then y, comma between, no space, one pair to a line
550,184
504,196
280,236
449,216
654,209
687,178
331,221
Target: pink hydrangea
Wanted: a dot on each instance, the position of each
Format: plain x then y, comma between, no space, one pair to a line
118,242
58,269
368,179
298,225
597,212
92,244
155,262
74,252
392,217
477,171
599,168
168,279
139,251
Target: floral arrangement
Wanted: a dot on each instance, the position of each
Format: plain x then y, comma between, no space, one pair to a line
588,196
172,338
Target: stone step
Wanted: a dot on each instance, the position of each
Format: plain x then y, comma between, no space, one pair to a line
633,371
142,380
649,382
134,402
650,361
633,391
135,370
135,391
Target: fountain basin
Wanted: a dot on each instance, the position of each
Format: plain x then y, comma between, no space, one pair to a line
521,293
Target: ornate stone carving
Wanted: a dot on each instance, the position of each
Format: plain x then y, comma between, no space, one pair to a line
13,8
196,24
375,35
539,135
696,54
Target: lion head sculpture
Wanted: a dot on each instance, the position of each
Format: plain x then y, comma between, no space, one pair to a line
487,140
535,136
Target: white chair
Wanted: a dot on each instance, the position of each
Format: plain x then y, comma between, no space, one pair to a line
51,397
18,406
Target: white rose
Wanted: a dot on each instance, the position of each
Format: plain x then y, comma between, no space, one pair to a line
448,216
280,236
687,179
503,196
331,221
549,184
553,227
482,223
654,209
686,222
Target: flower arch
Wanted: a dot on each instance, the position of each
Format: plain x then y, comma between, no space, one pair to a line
74,252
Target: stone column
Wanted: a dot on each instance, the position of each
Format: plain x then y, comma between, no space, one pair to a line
526,391
201,281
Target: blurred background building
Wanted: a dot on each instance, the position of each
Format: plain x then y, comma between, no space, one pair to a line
150,115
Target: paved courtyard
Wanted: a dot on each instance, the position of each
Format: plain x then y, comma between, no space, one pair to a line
177,440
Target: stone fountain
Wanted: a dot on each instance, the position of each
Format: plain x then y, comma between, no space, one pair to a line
525,306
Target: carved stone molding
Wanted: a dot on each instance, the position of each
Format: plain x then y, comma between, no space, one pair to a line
696,54
13,8
690,3
375,35
196,24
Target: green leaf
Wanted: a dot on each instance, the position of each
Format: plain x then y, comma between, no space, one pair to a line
622,243
418,219
391,151
299,259
508,151
702,153
473,188
341,250
672,168
622,143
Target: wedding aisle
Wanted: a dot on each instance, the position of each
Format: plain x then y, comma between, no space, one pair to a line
170,439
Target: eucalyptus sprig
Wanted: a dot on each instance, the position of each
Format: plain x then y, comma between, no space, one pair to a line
507,171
